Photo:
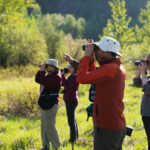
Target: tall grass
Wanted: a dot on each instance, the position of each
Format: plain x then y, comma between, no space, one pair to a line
20,119
18,95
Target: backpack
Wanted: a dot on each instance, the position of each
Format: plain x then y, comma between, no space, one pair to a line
92,92
89,108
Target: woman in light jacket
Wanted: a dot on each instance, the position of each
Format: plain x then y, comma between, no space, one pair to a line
50,80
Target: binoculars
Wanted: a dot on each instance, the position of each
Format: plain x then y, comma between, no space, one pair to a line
95,47
65,70
139,62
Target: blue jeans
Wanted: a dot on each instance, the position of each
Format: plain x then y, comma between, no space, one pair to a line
70,109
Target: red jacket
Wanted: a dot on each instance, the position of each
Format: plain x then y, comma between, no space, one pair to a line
110,83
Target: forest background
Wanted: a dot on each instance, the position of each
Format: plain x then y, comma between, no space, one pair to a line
30,35
33,31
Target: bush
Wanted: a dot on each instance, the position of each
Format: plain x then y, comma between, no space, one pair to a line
17,71
27,46
19,96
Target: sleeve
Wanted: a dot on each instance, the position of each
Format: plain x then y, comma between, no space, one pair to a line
51,81
146,88
104,73
63,78
70,82
39,75
137,82
92,66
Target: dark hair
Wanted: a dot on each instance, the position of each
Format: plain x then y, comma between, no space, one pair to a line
114,55
75,65
96,48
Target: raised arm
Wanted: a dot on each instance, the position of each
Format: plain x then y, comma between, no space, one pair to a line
104,73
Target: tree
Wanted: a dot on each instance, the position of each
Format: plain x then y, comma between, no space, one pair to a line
118,26
59,32
74,26
20,41
74,46
144,19
53,37
36,12
143,32
12,10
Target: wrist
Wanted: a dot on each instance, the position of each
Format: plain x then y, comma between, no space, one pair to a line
138,74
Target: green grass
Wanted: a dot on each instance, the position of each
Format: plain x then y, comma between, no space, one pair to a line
22,131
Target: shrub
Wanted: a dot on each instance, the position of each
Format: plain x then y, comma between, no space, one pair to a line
19,96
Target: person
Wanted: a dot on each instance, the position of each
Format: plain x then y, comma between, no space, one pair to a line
109,121
145,103
89,108
137,81
50,81
92,92
71,96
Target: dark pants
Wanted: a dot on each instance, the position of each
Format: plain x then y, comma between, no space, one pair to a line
70,109
107,139
146,122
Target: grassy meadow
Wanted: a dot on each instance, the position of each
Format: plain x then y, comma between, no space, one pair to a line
20,116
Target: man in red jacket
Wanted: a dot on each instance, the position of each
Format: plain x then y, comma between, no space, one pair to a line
109,121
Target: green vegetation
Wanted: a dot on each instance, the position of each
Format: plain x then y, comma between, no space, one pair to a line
21,129
31,39
95,13
27,39
118,26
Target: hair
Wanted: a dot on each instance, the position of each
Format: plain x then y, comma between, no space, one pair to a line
75,65
98,48
55,68
114,55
